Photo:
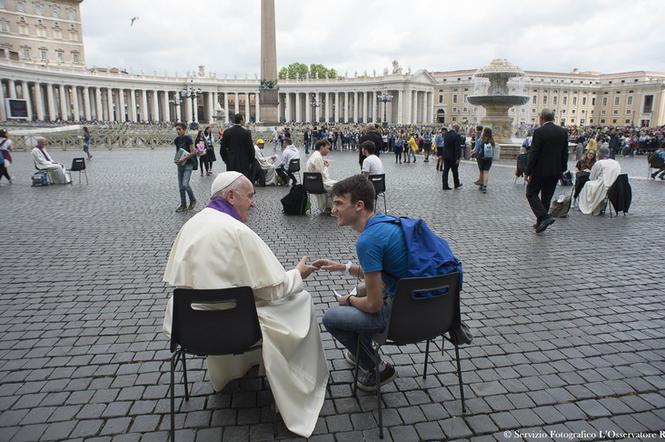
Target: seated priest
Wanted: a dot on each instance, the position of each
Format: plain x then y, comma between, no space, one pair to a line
265,174
317,163
215,249
57,173
603,174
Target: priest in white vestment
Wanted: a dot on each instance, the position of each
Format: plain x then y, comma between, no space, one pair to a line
216,250
603,174
267,164
57,173
316,163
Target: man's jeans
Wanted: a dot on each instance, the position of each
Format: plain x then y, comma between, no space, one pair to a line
184,175
345,323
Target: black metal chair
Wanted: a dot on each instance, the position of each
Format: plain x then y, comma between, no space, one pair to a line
231,329
313,182
414,319
379,183
294,166
78,165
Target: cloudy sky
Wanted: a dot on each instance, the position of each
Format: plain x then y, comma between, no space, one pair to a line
366,35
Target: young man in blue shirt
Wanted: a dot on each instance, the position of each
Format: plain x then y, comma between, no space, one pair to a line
382,254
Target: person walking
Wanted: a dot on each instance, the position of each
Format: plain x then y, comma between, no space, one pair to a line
185,158
452,152
210,149
238,147
6,152
484,155
200,149
86,142
548,159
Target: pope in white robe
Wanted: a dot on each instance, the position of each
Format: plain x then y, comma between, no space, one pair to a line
603,174
57,173
316,163
266,163
216,250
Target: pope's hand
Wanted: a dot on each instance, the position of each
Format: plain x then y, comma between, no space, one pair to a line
329,265
305,269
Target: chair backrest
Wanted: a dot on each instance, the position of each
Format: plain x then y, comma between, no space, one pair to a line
379,183
78,164
294,165
415,319
313,182
231,329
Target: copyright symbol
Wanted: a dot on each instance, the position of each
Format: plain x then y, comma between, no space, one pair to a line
507,434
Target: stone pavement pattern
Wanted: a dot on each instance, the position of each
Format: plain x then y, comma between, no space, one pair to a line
568,325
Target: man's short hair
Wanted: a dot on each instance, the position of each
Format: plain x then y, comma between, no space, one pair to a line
359,188
181,125
603,152
547,114
319,144
479,128
369,146
287,141
455,127
371,127
237,118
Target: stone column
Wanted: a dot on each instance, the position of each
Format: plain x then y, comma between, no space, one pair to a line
376,106
326,113
308,108
247,113
257,108
178,106
50,101
298,109
109,104
155,107
166,112
187,117
346,107
195,108
121,116
133,117
25,91
407,107
211,107
87,110
287,107
355,107
3,116
64,112
39,102
236,102
75,103
144,106
226,107
319,108
99,109
11,88
365,107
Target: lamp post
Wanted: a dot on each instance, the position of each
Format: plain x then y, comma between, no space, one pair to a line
189,91
385,98
315,104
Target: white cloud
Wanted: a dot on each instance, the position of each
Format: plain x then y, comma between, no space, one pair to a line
597,35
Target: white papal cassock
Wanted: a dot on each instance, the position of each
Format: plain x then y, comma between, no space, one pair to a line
213,250
603,174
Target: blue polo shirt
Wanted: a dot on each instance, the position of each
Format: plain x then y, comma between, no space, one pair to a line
381,247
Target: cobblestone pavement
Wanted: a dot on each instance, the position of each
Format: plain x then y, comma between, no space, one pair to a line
568,325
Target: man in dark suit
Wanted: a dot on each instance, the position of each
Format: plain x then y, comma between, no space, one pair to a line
548,159
374,136
238,148
452,152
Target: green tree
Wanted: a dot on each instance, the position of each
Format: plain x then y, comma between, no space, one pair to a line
299,71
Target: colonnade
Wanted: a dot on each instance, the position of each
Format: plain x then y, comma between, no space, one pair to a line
50,101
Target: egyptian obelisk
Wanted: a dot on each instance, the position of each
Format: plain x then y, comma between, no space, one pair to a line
268,94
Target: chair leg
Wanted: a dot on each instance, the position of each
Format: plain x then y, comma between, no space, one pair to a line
86,178
377,371
355,369
173,364
184,370
426,357
459,377
443,343
385,207
79,177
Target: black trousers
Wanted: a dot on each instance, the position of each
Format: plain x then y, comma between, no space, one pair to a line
286,175
4,173
539,192
449,165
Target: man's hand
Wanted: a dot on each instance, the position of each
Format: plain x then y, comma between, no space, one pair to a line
329,265
344,300
305,269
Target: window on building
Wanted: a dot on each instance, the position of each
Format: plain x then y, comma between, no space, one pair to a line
593,101
41,30
440,98
20,7
57,32
602,121
565,101
574,101
2,4
583,101
25,52
454,98
465,110
627,111
545,100
629,100
647,108
603,112
454,109
604,101
39,8
43,54
615,112
71,14
555,99
55,11
614,121
22,26
616,101
4,25
76,58
60,55
572,111
534,100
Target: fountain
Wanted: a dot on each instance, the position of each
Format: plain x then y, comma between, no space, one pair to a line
498,100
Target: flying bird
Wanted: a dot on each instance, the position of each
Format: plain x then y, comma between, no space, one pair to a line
133,19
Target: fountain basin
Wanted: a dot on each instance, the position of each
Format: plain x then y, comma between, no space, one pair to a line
502,100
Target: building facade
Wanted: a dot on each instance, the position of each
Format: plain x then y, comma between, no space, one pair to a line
42,61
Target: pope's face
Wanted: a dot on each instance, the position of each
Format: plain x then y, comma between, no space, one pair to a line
242,199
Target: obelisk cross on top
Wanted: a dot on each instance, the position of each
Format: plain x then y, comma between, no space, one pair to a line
268,89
